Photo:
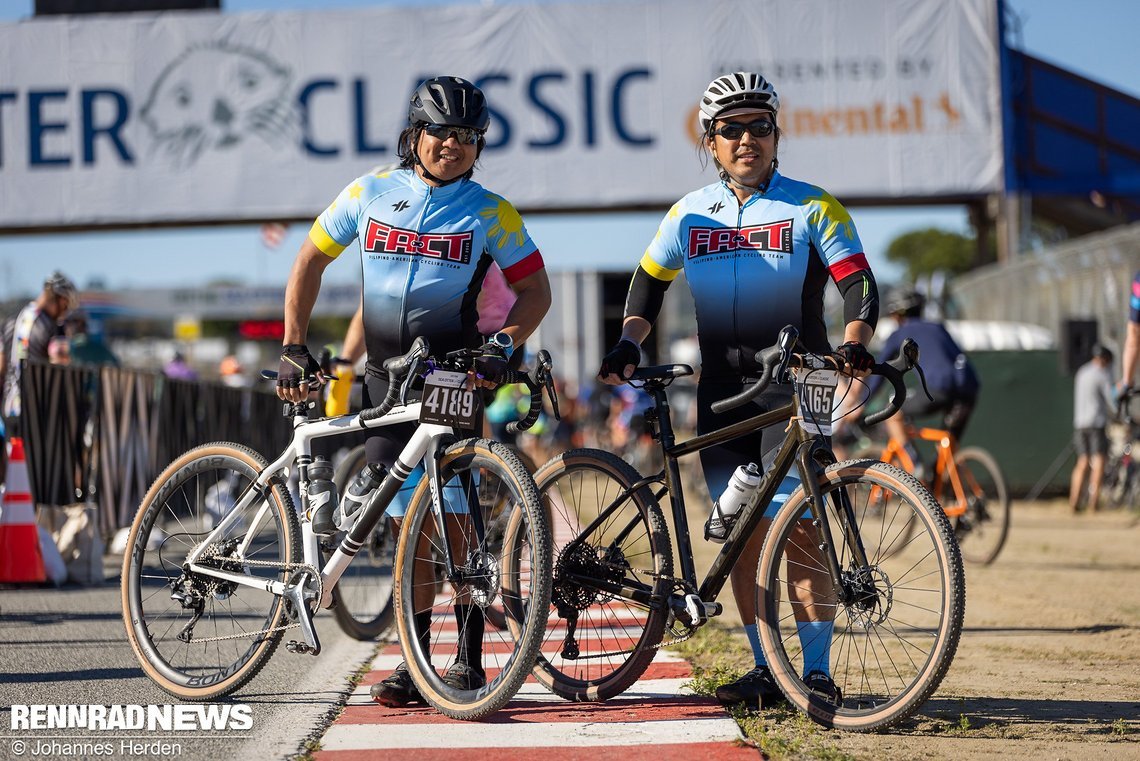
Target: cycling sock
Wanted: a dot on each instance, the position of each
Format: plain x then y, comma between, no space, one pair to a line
815,639
470,620
423,631
754,641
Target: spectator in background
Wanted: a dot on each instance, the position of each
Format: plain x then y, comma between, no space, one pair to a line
86,348
178,369
231,372
1092,402
28,335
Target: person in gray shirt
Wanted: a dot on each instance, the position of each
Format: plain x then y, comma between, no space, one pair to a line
1092,402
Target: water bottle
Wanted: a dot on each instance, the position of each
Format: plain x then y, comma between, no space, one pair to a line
321,493
740,491
357,494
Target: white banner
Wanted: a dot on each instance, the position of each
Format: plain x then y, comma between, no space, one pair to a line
227,117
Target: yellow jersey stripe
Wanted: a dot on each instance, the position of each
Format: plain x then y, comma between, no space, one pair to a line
323,241
656,271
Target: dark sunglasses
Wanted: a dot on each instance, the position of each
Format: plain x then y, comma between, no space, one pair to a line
465,135
735,131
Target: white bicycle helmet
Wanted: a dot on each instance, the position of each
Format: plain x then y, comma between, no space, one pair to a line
741,89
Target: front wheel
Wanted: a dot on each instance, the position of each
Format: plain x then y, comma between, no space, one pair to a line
197,636
895,619
439,631
983,528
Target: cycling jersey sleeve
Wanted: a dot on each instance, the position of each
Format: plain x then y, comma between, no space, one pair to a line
508,241
335,228
665,256
1134,300
833,233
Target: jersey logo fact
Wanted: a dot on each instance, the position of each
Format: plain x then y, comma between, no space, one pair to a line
380,238
400,205
773,236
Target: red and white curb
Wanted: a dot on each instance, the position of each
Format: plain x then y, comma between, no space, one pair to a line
655,720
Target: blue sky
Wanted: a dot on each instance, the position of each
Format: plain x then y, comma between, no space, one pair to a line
1100,45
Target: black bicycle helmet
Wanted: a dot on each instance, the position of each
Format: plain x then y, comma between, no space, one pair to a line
905,301
451,101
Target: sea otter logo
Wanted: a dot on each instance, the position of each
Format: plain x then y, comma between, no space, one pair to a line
214,96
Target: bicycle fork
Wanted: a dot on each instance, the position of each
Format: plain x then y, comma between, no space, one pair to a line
811,474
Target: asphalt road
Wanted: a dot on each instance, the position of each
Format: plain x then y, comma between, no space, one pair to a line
67,646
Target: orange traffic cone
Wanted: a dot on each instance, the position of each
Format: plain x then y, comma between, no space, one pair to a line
20,558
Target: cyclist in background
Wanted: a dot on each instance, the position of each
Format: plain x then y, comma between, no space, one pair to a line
757,249
1131,337
428,233
950,376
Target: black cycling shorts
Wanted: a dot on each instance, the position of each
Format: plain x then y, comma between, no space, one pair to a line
956,410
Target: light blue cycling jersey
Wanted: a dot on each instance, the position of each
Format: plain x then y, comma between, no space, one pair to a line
424,252
755,268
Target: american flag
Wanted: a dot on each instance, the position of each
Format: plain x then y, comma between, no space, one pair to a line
273,233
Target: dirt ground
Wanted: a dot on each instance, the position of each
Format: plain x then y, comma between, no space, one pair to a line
1049,661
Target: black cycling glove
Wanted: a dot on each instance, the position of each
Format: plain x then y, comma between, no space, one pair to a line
492,365
625,353
297,366
856,355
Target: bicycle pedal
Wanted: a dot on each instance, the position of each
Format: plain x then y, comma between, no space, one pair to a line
300,648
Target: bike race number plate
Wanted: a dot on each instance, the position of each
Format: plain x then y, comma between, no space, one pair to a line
816,389
447,401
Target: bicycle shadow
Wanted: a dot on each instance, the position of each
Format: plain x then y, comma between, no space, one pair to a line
1082,717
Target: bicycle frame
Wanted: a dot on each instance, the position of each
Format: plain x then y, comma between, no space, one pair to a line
799,449
945,469
424,444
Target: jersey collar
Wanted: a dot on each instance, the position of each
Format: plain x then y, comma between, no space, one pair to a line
421,188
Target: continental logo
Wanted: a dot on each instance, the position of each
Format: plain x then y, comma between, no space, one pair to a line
380,238
774,236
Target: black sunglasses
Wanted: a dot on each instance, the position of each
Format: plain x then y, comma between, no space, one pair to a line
735,131
465,135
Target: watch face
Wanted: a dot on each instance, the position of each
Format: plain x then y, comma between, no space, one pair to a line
502,339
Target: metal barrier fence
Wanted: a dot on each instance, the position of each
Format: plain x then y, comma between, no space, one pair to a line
104,434
1086,278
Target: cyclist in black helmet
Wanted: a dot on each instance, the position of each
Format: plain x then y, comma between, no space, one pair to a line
950,376
428,234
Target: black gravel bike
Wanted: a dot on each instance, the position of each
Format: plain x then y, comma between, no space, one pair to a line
841,548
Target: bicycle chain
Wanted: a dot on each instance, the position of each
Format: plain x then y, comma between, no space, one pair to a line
271,564
678,638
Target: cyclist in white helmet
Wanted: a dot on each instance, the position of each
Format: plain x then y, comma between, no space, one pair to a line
757,249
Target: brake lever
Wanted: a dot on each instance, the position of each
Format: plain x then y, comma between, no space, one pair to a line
788,338
546,379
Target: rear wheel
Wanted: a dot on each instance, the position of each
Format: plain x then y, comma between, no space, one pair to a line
614,639
897,618
435,628
983,528
197,636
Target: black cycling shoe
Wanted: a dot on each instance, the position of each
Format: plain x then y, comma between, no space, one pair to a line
825,687
398,690
756,689
461,676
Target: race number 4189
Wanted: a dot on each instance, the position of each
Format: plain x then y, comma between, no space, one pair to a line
447,401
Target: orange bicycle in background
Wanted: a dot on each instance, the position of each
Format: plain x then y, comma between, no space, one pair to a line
969,486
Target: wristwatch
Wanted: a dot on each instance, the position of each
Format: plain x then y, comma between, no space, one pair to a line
504,342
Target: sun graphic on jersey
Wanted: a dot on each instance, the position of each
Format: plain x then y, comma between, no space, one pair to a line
827,208
506,226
